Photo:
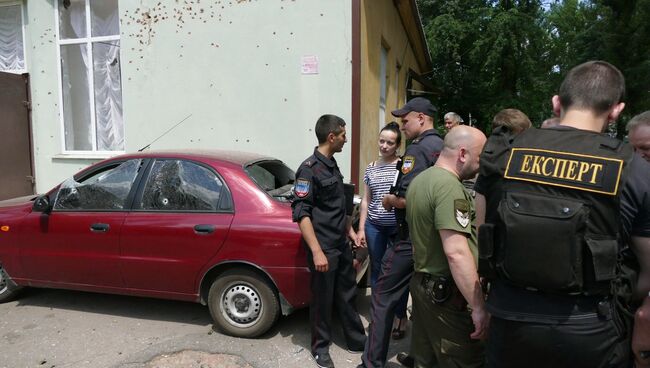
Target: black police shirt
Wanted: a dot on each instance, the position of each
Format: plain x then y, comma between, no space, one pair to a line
319,195
515,303
421,154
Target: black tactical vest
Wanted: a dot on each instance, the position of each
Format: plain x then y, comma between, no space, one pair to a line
558,217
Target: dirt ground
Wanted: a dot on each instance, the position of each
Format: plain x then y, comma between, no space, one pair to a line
55,329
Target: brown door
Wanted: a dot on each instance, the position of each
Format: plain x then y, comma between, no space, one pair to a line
15,137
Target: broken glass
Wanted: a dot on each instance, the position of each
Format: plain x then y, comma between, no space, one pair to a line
274,177
106,190
177,185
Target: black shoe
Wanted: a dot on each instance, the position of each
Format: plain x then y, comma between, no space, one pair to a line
405,360
323,360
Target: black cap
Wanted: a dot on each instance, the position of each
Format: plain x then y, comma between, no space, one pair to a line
418,104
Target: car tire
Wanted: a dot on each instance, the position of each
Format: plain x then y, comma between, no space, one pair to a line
243,304
8,288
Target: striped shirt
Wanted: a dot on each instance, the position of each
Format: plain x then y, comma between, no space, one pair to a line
379,179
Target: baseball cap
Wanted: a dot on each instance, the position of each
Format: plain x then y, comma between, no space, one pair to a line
417,104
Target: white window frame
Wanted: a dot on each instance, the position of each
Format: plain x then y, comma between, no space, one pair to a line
22,27
88,41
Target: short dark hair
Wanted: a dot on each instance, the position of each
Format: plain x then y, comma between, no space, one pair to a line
513,119
393,127
594,85
327,124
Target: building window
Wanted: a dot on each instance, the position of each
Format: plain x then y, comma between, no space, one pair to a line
12,52
88,35
383,85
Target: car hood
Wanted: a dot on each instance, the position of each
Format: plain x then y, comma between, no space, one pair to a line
17,202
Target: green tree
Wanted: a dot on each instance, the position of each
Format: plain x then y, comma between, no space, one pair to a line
490,55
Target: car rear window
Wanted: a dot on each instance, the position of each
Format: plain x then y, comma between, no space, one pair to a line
274,177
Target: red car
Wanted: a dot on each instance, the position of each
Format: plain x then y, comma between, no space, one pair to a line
206,226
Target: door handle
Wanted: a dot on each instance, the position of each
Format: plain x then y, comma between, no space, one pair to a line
99,228
204,229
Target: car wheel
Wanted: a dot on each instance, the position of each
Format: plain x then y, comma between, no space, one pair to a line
8,288
243,304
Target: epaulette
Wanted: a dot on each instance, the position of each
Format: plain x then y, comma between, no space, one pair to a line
309,163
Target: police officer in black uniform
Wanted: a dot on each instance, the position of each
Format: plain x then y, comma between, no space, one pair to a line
319,209
397,265
562,207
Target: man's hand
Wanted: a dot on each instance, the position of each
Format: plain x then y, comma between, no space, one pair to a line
387,201
307,230
320,262
481,319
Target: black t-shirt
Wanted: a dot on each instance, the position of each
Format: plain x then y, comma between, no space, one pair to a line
512,302
319,195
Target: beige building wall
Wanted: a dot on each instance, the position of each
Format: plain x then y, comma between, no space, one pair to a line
381,25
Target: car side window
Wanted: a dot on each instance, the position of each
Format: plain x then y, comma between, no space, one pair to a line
104,190
178,185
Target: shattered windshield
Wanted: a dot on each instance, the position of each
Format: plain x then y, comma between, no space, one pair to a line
274,177
105,190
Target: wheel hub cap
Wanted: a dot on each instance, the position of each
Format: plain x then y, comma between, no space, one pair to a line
3,280
241,305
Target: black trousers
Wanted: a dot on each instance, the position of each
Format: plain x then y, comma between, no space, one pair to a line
391,285
598,343
336,287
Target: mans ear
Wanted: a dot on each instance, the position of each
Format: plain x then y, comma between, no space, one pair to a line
462,154
615,112
557,107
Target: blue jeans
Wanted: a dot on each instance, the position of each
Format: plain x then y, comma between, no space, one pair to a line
377,238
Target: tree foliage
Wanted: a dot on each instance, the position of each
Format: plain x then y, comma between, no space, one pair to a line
494,54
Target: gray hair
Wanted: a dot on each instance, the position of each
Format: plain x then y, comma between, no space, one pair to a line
453,117
641,119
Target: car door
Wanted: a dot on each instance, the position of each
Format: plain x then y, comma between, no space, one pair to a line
182,215
77,243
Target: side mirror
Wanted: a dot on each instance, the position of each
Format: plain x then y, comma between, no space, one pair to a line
42,204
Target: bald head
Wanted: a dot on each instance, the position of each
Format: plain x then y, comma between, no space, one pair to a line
461,151
464,136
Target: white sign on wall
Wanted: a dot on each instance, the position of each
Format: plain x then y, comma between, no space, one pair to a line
309,64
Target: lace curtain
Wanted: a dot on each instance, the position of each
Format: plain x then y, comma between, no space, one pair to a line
109,123
11,39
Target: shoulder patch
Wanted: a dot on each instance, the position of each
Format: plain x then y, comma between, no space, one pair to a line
302,188
461,212
408,163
